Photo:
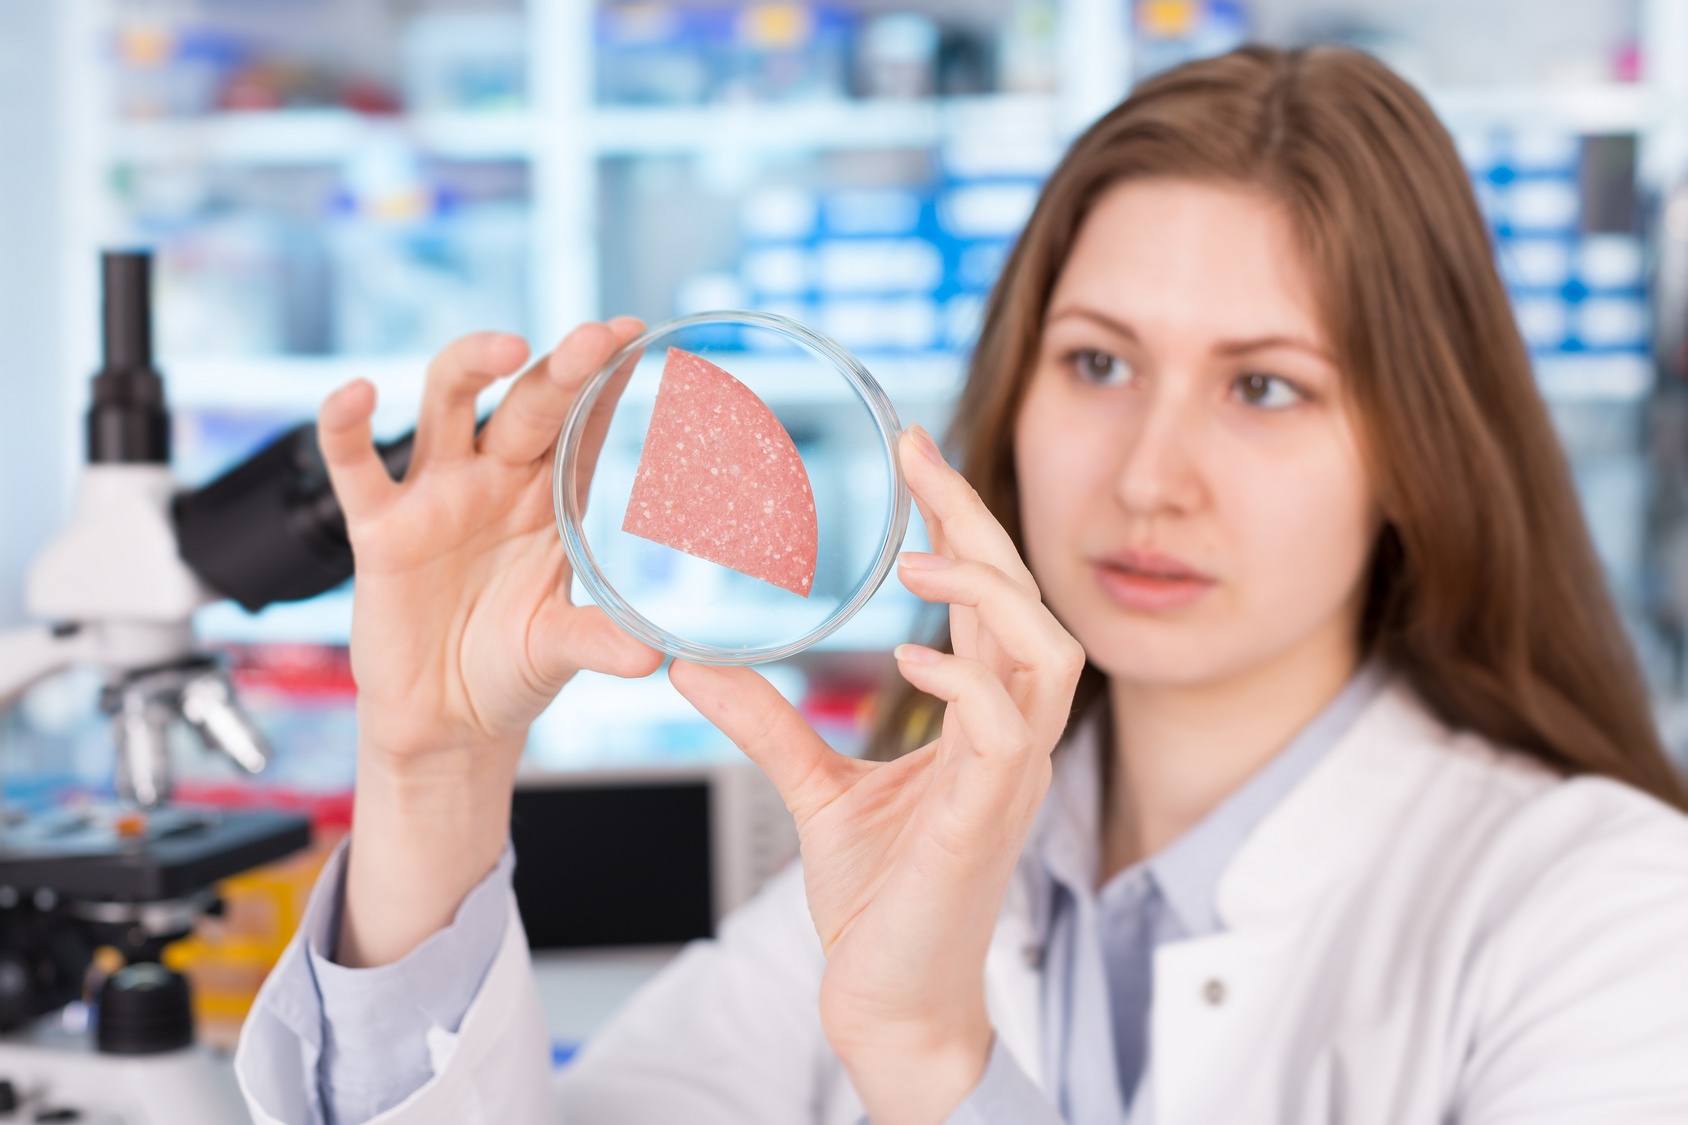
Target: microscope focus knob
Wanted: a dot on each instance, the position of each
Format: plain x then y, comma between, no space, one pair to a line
144,1009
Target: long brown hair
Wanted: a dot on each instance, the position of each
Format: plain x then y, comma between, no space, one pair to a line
1485,592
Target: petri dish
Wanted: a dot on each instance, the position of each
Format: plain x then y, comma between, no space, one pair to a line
727,487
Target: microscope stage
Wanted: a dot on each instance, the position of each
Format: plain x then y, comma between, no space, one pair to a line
81,853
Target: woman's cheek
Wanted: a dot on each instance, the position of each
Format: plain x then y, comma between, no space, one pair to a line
1044,518
1308,537
1053,464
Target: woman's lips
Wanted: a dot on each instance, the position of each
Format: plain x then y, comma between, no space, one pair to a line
1149,583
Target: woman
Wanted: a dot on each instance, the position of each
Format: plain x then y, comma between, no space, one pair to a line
1300,772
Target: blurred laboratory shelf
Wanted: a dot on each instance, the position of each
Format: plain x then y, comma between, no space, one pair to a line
298,384
289,383
1616,377
1615,107
329,136
819,125
544,184
318,136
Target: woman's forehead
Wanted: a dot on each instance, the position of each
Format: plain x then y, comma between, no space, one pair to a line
1193,257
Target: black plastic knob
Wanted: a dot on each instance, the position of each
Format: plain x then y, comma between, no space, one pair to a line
144,1009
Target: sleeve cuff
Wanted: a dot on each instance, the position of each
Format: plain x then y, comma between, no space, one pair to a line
1004,1096
386,1028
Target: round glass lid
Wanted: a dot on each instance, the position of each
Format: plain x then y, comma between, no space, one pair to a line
727,487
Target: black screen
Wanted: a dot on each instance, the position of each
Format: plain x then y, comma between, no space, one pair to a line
613,865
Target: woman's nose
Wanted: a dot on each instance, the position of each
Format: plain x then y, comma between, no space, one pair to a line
1159,470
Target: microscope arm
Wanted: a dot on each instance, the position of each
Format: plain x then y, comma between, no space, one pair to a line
268,530
31,654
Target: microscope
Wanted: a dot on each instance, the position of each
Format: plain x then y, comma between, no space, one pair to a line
116,590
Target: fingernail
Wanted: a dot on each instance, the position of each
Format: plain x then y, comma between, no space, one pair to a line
928,446
923,560
915,654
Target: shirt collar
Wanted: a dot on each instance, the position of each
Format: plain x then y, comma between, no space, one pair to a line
1187,871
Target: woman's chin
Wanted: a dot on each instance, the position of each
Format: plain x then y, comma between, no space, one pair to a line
1172,671
1157,652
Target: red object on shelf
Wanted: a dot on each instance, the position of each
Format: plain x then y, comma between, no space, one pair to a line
299,671
363,95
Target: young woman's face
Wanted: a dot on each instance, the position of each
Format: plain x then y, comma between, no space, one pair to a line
1192,488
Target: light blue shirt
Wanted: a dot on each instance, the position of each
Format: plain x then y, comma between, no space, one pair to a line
1097,952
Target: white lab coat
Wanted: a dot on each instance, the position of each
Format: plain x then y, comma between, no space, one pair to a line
1425,930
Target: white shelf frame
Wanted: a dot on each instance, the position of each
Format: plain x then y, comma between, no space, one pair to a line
318,136
330,136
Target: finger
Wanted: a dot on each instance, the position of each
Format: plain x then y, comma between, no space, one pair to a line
567,638
762,723
934,532
1022,626
361,482
953,511
525,425
445,427
603,409
999,755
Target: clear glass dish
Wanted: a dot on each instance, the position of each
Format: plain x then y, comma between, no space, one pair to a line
842,427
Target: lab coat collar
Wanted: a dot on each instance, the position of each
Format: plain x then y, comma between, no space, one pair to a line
1187,870
1327,829
1066,836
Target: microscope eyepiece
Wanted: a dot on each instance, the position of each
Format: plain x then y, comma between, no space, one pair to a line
128,422
128,310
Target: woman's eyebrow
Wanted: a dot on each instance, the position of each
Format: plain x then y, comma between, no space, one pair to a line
1223,347
1262,343
1116,326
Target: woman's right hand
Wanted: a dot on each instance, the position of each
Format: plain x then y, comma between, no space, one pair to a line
906,862
462,629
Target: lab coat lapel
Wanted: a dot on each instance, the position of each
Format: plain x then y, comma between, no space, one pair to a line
1328,830
1014,980
1218,999
1014,967
1221,1001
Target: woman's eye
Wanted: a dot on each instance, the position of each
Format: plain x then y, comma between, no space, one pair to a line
1269,392
1100,367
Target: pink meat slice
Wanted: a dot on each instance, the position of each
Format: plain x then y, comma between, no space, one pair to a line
720,478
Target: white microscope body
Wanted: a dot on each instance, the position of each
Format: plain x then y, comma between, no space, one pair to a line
111,582
120,599
111,591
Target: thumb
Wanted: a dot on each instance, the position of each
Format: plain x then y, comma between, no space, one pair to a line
772,733
566,638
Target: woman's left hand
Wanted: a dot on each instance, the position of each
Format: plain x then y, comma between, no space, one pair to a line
906,862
